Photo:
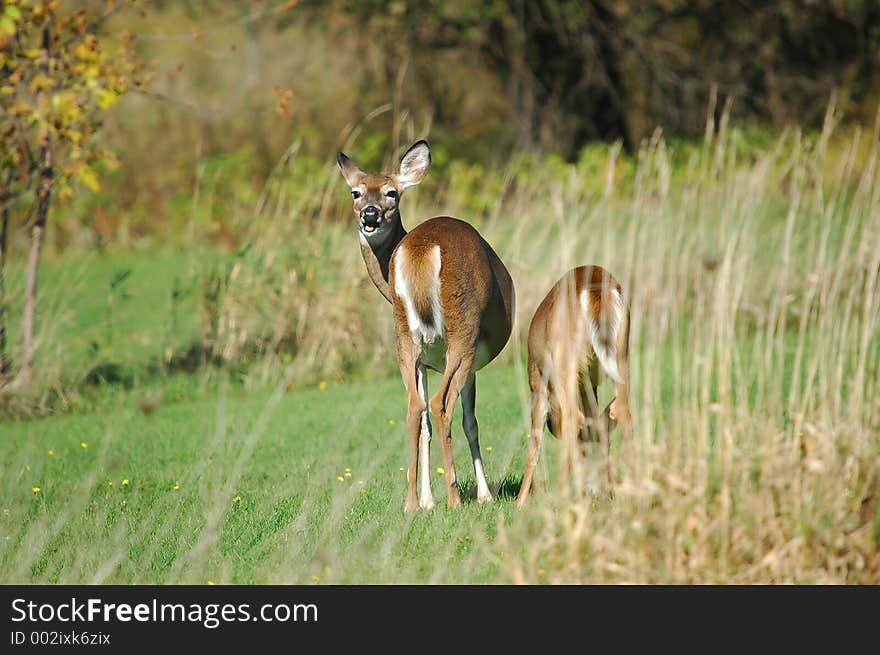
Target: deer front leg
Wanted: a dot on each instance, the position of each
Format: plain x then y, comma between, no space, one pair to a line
619,411
416,407
413,424
472,430
426,498
601,425
590,426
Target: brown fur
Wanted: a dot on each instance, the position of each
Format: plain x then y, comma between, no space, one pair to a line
564,369
475,288
476,298
476,294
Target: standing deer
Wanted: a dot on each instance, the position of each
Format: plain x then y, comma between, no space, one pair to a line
453,304
579,329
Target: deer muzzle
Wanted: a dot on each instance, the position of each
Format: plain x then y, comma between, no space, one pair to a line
371,219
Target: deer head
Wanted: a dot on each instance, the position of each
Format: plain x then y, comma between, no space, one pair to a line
377,196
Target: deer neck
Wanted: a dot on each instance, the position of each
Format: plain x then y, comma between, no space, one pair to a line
377,256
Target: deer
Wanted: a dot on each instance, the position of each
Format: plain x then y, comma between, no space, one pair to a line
453,303
579,331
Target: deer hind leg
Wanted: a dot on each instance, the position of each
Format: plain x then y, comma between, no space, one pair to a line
619,408
539,419
619,412
472,430
458,368
426,498
570,419
408,360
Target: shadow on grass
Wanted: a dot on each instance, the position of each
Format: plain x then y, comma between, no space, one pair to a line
505,490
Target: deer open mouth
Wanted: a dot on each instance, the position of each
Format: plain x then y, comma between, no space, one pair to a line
371,226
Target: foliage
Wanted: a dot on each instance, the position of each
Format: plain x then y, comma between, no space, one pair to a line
578,71
482,81
59,76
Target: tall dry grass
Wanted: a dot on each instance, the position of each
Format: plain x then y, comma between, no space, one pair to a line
755,293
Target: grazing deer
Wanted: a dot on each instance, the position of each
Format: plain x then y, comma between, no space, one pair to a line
453,303
579,329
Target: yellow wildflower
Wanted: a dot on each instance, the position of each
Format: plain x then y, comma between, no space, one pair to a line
440,470
176,486
125,482
50,452
322,385
83,444
36,490
340,478
237,499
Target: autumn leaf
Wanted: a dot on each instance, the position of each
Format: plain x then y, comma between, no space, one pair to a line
106,97
7,26
89,177
11,12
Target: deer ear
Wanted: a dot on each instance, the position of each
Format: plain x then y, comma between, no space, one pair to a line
414,165
349,169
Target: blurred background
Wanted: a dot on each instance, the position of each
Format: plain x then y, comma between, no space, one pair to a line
234,85
179,156
191,151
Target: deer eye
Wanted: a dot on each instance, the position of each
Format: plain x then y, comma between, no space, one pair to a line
391,193
355,194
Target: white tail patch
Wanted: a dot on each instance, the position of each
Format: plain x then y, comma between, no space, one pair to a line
424,329
603,335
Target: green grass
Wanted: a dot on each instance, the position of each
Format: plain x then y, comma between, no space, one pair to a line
281,456
85,319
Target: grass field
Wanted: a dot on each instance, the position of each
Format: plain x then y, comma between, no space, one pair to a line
246,489
232,391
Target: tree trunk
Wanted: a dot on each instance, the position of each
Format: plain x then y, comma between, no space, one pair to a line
5,363
44,190
37,231
5,204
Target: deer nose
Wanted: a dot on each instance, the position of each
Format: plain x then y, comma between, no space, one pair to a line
370,215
